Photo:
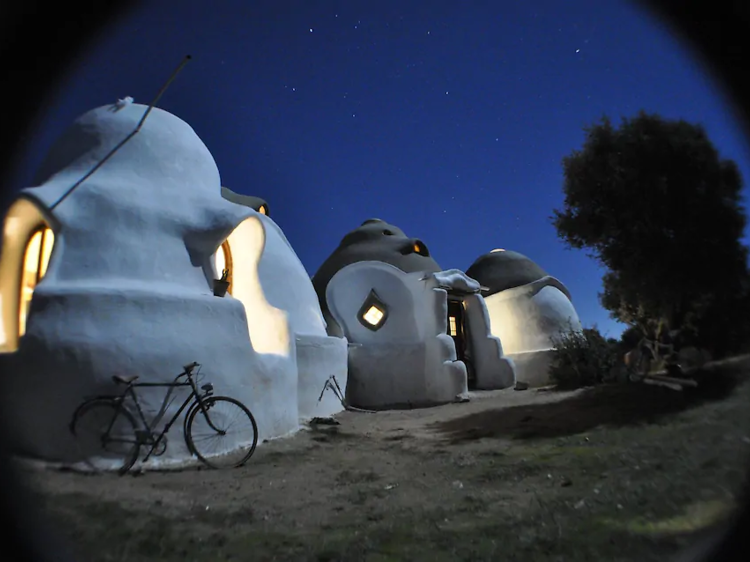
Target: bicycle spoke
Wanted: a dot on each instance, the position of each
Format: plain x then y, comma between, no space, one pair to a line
236,438
105,436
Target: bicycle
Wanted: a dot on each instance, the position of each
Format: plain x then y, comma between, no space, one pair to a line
200,401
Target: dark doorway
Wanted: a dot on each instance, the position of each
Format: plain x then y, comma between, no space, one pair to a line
457,330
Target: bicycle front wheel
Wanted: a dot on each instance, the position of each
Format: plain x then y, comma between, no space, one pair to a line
224,435
105,435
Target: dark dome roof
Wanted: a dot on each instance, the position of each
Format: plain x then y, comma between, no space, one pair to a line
255,203
374,240
501,269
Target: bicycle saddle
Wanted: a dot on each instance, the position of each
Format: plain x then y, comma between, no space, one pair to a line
125,380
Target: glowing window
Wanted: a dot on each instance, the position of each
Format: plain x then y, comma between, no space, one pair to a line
373,316
263,210
417,247
452,326
222,261
267,326
35,262
421,249
373,313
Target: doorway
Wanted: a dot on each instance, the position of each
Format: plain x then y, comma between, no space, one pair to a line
457,330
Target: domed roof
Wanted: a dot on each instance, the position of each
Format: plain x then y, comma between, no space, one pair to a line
165,149
500,269
375,240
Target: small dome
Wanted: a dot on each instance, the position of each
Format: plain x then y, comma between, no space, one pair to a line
374,240
501,269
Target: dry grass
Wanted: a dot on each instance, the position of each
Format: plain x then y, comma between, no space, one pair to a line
618,473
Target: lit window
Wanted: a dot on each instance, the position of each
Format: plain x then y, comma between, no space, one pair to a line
373,316
222,261
417,247
263,210
35,262
452,326
373,313
267,326
421,249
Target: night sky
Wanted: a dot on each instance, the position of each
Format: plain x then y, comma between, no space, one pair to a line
447,119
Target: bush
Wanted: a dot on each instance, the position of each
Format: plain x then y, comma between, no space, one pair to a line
583,358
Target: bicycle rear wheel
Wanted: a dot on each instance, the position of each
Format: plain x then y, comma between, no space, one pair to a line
234,442
106,437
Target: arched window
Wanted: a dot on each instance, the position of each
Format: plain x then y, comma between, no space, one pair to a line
26,250
240,254
222,261
35,261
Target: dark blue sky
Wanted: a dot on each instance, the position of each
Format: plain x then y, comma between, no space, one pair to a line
448,119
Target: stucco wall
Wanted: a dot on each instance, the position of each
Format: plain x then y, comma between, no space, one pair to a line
287,286
78,339
526,318
318,358
533,367
493,370
410,360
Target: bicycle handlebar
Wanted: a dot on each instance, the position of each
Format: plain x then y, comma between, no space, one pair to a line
188,369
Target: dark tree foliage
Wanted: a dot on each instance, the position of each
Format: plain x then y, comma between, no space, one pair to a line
654,203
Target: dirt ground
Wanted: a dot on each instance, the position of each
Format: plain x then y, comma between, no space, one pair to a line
628,472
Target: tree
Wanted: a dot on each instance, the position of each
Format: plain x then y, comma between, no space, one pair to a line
655,204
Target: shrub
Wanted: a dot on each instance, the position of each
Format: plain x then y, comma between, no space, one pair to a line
583,358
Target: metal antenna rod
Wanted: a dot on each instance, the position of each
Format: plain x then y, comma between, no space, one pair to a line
127,138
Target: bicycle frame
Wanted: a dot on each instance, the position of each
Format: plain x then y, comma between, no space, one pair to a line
194,399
